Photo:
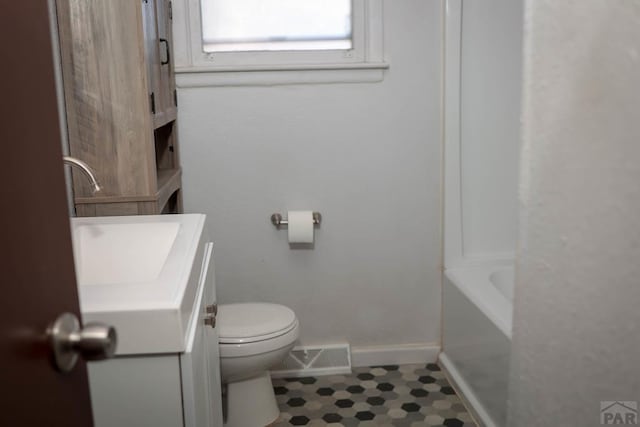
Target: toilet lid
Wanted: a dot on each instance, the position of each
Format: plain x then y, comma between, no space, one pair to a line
248,322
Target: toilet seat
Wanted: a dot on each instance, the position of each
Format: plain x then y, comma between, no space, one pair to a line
253,322
255,348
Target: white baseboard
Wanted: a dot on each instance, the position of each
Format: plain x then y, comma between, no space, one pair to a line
394,354
465,392
311,361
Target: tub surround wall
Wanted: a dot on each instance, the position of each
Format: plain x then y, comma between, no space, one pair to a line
490,87
483,56
476,351
576,318
365,155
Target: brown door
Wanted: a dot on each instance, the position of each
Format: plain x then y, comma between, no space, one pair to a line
38,279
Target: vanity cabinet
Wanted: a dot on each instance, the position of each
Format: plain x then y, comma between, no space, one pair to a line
200,370
166,390
121,104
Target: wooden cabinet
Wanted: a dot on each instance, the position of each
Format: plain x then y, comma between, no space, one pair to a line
121,107
167,96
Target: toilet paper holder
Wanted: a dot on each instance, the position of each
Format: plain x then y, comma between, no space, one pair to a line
278,221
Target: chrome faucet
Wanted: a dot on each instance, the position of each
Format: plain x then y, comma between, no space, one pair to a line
86,170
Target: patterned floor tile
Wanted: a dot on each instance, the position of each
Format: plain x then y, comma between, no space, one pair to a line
392,395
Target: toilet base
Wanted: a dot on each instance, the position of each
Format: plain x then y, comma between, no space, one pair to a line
251,402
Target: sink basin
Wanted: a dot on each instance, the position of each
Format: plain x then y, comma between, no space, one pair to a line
118,253
140,274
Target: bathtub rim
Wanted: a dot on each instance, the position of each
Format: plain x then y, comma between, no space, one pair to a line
472,278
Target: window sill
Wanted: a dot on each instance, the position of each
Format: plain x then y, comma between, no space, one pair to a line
273,75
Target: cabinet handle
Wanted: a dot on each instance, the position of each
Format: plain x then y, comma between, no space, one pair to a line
210,321
166,48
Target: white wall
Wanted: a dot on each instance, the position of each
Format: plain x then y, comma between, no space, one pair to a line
576,319
367,156
491,82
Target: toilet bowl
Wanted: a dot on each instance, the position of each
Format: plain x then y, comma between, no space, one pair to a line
253,337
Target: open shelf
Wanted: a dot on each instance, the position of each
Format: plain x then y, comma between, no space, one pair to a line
173,205
169,180
164,118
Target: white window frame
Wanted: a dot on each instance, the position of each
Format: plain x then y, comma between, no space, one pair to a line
216,68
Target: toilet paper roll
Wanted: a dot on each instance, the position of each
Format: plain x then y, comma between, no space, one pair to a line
300,226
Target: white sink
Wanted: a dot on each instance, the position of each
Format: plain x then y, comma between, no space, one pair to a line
122,253
140,274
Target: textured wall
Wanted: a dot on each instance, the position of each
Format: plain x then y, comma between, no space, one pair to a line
368,156
577,317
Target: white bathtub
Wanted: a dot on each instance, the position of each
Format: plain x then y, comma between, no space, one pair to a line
477,318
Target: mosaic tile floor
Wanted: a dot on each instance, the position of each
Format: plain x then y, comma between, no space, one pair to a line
402,396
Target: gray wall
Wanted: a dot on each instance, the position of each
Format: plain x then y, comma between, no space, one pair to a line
576,318
367,156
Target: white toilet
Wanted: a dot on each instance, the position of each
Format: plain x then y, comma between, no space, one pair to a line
254,337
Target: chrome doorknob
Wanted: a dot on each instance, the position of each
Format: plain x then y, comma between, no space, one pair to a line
68,341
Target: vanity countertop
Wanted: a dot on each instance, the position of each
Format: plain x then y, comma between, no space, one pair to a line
140,274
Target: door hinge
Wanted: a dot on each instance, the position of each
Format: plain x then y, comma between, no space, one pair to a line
175,97
170,11
153,102
210,321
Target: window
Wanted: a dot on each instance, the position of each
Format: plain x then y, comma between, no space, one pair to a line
340,40
276,25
